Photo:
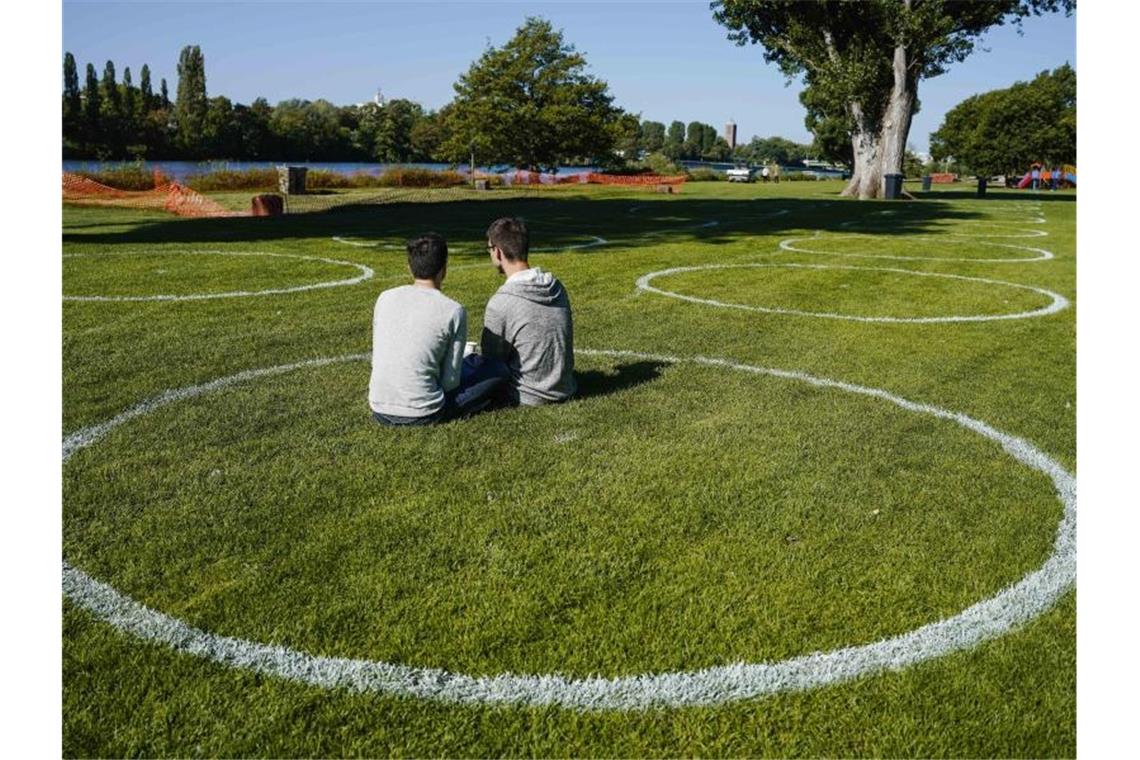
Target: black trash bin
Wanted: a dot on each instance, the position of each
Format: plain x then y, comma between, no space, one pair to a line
892,186
926,184
981,186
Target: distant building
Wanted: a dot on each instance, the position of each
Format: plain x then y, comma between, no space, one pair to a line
730,134
377,99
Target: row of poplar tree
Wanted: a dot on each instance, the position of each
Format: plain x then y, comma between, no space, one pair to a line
108,118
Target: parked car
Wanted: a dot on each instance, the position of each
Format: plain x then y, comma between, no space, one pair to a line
741,174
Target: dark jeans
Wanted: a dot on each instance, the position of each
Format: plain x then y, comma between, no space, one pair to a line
480,385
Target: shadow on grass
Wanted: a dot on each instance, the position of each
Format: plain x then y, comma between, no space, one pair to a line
596,383
564,220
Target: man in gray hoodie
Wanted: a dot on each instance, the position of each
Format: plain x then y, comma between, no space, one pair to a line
527,325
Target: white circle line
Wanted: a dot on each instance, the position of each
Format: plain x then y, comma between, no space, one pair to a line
1043,254
1011,607
366,273
1057,301
594,240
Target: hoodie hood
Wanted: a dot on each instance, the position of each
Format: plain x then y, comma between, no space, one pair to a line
535,285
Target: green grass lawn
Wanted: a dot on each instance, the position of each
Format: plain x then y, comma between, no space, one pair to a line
675,516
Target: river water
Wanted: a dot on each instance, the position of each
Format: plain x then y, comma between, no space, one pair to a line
180,170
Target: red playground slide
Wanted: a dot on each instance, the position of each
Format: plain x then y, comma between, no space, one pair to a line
1025,181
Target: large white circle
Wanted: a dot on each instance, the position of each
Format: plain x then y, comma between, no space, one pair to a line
1057,301
365,274
1041,254
1013,606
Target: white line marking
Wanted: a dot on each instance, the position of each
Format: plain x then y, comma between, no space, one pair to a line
366,273
1014,606
594,242
1057,301
1042,254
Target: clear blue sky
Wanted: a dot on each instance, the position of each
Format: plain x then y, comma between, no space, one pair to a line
664,60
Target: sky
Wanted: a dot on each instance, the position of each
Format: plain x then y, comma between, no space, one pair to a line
663,60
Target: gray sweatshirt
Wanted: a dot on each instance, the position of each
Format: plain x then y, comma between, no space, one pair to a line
418,336
528,326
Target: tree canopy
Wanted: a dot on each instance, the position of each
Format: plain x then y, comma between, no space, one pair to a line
531,104
862,61
1004,131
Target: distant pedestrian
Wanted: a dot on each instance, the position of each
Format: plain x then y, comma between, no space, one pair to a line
1035,176
764,174
776,173
1058,175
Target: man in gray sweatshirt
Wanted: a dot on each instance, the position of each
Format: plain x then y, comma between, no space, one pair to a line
527,325
418,337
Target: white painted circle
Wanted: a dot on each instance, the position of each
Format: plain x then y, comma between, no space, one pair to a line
1015,605
1040,254
1057,301
365,274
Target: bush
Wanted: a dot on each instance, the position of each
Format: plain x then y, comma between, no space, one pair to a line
133,177
412,177
704,174
231,179
659,163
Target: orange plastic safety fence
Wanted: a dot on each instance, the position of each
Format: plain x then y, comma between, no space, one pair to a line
167,195
635,179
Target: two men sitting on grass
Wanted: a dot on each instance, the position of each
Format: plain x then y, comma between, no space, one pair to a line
419,373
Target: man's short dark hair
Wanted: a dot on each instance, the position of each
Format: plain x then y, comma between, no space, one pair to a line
427,256
509,235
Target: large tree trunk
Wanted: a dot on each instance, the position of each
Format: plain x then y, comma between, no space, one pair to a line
881,151
898,113
865,176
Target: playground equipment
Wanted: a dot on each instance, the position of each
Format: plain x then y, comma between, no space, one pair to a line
1068,172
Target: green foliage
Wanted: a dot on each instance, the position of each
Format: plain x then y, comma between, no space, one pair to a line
652,136
191,107
674,140
780,150
661,164
221,179
146,92
72,100
704,174
1004,131
91,106
845,53
129,177
415,177
530,104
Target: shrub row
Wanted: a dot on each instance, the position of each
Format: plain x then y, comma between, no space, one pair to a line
139,177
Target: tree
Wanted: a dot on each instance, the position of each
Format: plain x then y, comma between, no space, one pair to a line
190,105
828,124
1004,131
427,136
394,122
865,59
109,92
718,151
72,100
164,95
627,136
146,93
531,104
652,138
674,141
129,95
91,105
